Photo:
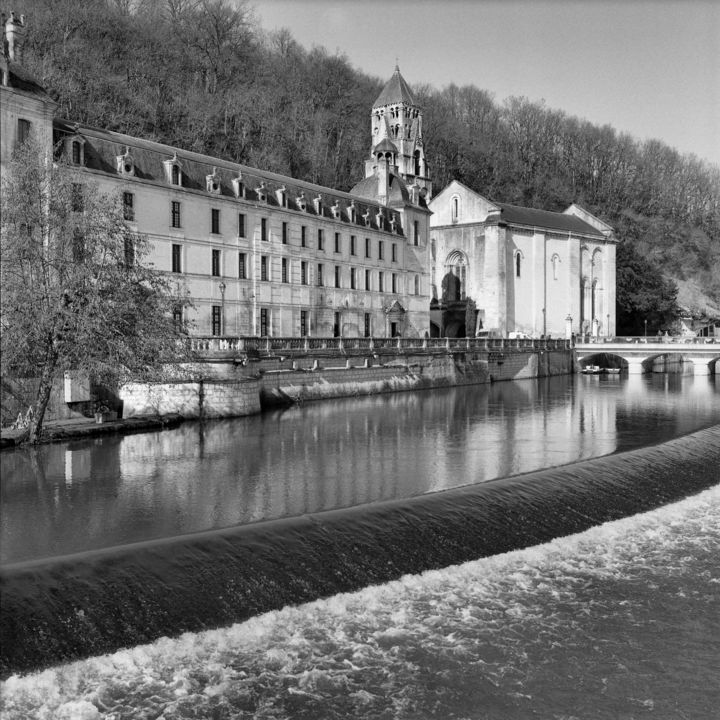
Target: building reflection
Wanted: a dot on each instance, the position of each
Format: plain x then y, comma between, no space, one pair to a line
72,497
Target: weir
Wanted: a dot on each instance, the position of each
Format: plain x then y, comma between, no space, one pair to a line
73,607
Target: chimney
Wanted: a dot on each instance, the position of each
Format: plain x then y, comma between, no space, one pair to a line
383,176
14,38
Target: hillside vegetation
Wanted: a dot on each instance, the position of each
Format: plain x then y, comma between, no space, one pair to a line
202,75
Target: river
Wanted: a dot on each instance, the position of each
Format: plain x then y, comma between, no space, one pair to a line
617,620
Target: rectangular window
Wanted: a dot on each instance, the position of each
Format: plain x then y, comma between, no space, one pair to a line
76,155
337,325
381,249
367,324
284,233
321,239
367,248
303,323
175,209
380,282
216,320
416,232
284,270
241,224
394,252
215,263
367,280
176,258
337,242
303,236
178,318
320,275
303,272
128,206
263,267
263,230
214,221
394,282
264,322
353,243
77,197
352,278
242,266
23,131
129,252
337,276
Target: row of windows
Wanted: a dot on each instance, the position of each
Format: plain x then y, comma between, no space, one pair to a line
355,279
176,222
264,317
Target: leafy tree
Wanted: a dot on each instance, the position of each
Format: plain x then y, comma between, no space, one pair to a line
76,292
643,294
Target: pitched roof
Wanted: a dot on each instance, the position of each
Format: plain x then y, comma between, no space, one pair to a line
395,91
517,215
21,79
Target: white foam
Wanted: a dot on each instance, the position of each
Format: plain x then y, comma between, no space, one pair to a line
514,623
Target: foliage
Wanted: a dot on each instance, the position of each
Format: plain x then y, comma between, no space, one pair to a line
201,74
647,302
76,294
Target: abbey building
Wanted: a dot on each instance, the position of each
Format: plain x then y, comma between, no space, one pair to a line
265,254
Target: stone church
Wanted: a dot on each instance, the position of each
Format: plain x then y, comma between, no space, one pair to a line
264,254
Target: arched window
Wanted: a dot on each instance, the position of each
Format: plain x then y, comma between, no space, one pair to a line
454,280
555,260
455,208
518,262
175,175
417,162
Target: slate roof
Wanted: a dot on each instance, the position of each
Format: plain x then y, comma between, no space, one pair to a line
368,188
21,79
103,146
396,90
516,215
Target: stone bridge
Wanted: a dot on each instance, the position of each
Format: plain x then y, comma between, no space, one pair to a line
639,354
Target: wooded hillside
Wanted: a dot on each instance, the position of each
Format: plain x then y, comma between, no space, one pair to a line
202,75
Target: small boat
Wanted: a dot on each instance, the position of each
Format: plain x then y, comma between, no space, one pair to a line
591,370
613,371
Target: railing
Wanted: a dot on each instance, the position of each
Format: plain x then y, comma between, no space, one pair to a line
650,339
214,345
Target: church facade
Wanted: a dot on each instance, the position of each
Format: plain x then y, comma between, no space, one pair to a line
502,270
260,253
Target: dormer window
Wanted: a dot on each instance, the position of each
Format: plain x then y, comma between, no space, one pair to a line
317,202
173,171
261,192
393,223
351,211
125,164
301,202
380,220
281,195
335,209
238,186
366,218
212,182
75,150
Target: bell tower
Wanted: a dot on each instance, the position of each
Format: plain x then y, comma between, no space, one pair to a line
397,142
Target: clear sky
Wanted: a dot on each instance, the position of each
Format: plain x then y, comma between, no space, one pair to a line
647,67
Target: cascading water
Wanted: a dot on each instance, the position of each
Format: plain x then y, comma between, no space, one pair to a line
97,602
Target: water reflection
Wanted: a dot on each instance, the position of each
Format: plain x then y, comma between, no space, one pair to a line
110,491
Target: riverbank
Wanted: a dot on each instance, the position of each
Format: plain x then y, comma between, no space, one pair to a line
81,427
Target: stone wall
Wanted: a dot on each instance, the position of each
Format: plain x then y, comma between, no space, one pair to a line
204,398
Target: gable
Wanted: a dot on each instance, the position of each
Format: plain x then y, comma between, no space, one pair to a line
458,204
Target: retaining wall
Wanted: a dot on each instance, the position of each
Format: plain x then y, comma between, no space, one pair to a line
204,398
